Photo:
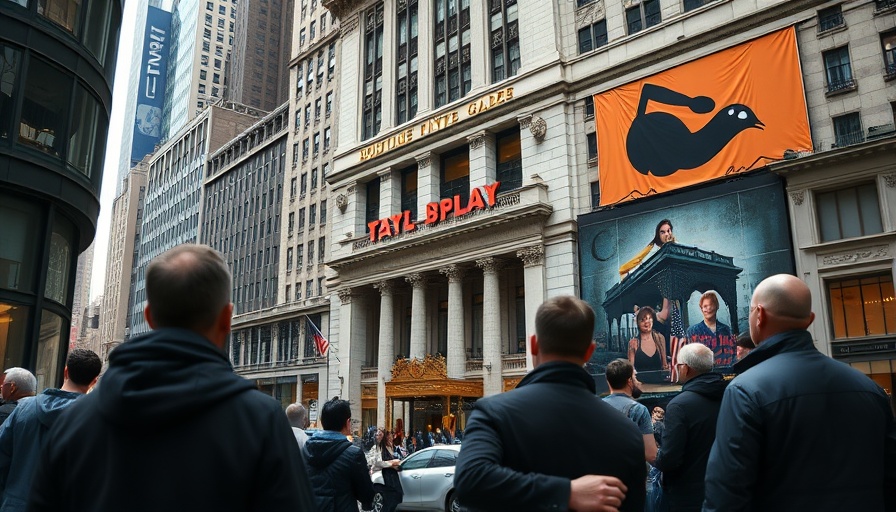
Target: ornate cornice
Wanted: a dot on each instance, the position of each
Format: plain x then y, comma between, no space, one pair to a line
489,265
798,197
531,256
477,140
385,287
454,273
854,256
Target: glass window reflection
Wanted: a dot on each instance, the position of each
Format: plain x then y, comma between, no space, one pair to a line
44,108
9,76
13,327
60,262
83,131
17,243
48,348
95,32
65,13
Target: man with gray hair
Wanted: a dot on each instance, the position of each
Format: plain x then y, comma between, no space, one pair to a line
170,426
18,383
690,428
296,415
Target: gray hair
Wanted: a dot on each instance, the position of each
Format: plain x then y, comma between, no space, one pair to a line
23,379
295,413
696,355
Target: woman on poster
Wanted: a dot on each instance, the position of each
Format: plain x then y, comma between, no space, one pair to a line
711,332
647,351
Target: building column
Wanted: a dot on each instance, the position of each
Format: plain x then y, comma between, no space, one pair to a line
425,53
491,327
534,282
480,56
386,354
350,59
418,316
428,180
457,363
352,344
390,194
483,168
389,84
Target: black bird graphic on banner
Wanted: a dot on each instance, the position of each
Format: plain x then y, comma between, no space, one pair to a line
661,144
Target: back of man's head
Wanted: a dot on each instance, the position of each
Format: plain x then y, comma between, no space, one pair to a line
83,366
187,287
25,381
786,304
697,356
295,413
618,373
564,326
334,414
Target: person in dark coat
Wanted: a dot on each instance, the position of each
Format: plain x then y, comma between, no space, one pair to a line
17,383
339,474
690,429
23,433
503,464
170,426
798,430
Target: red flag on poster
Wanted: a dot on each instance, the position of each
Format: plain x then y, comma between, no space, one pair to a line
323,346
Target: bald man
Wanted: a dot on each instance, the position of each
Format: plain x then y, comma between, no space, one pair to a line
798,430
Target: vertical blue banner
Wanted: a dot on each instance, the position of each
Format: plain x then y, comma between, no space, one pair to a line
151,87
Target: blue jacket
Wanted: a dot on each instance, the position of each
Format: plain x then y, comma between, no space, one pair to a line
21,438
798,430
338,473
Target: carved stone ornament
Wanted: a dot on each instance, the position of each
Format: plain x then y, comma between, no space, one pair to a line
538,127
525,121
424,161
416,280
350,24
879,251
385,287
342,202
890,180
476,141
454,273
429,368
489,265
531,256
798,197
345,296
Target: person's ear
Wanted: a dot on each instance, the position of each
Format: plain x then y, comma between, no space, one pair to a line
590,350
65,373
148,316
533,345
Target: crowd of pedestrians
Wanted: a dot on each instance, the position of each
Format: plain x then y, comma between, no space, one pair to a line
172,427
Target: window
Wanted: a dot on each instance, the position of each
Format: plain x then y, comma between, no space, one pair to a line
372,111
9,81
217,63
862,306
309,285
848,130
289,257
320,68
589,107
838,70
45,106
326,139
643,15
592,146
848,213
301,219
321,248
323,23
332,56
311,31
373,201
406,95
295,155
298,122
287,294
308,114
306,146
690,5
888,44
310,252
452,71
510,159
300,80
304,183
312,215
317,108
595,195
302,37
313,179
291,223
329,107
300,258
409,190
455,173
505,40
316,143
830,18
323,211
593,36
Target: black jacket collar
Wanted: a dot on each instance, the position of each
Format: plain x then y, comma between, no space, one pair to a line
788,341
560,372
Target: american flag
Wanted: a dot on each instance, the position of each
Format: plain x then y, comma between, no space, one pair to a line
319,341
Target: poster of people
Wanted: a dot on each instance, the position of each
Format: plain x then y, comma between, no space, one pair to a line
679,269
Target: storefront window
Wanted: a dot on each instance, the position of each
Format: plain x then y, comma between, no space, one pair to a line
13,326
65,13
17,244
60,262
49,344
83,132
44,109
864,306
9,76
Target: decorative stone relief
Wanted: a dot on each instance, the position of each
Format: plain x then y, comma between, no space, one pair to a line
890,180
423,161
345,296
798,197
879,251
476,141
342,202
385,175
538,127
531,256
525,121
416,279
385,287
350,24
489,265
454,273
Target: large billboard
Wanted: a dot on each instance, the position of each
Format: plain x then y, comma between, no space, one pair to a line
723,114
151,88
680,269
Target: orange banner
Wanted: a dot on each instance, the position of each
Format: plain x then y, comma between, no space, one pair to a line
729,112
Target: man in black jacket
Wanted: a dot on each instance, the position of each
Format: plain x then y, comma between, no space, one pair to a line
690,428
338,469
170,426
510,458
798,430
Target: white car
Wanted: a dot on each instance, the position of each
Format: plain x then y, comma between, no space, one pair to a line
427,479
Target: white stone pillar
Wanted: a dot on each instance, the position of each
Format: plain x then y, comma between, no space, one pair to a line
428,180
418,316
480,58
483,168
389,54
351,346
534,282
386,354
492,382
457,363
390,194
425,56
350,69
